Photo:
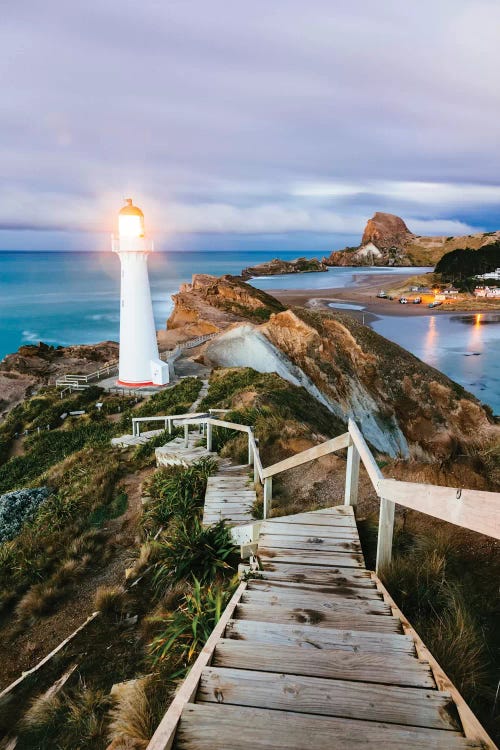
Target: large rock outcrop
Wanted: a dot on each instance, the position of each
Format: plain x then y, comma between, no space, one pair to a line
386,231
277,267
210,304
387,241
403,406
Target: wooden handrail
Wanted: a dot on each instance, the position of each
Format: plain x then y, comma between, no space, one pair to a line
317,451
475,510
365,453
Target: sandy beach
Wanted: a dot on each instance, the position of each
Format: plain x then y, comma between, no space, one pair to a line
363,292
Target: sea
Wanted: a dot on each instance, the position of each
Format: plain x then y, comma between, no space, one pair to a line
65,298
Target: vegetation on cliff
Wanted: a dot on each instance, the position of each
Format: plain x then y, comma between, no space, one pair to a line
278,266
458,266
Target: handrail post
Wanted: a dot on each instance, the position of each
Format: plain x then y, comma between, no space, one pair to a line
352,476
186,435
209,437
385,533
268,495
169,421
251,458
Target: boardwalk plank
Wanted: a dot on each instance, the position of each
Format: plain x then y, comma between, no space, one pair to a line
335,591
306,615
314,695
321,603
312,637
277,571
388,669
210,726
314,557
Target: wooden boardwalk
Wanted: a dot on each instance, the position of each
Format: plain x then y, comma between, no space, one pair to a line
309,655
230,496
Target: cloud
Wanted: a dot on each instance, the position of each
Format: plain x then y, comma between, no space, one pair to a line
269,117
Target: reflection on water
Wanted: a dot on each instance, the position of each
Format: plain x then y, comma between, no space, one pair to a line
464,347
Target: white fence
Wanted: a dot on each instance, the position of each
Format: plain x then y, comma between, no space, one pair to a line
471,509
73,382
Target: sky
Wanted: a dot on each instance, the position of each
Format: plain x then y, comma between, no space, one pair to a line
271,123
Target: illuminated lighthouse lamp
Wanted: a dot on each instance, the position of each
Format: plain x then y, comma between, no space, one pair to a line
140,364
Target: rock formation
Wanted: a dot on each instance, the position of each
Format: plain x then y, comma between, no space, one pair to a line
404,406
386,231
276,266
387,241
32,366
210,304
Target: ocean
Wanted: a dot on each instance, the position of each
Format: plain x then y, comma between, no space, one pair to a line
73,298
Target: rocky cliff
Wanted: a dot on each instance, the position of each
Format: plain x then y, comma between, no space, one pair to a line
32,366
210,304
387,241
404,406
276,267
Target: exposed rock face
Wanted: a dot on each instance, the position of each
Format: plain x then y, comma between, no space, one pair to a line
210,304
404,407
32,366
387,241
276,266
385,231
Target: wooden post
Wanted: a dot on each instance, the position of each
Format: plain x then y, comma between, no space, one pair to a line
169,426
385,531
268,495
186,435
209,437
352,476
250,449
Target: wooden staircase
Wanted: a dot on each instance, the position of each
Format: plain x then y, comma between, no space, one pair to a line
309,655
230,495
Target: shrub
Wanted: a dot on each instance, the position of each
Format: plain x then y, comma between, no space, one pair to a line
177,491
16,508
185,631
193,550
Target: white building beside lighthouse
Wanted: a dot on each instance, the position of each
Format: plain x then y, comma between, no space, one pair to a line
140,364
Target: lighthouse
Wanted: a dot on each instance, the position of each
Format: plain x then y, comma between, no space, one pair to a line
140,364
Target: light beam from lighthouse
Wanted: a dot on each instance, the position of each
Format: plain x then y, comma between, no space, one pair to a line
139,363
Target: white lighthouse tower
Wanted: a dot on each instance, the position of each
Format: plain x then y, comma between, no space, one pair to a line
140,364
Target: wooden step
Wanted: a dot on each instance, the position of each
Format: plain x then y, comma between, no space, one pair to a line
311,530
315,695
209,726
311,616
307,543
312,637
315,557
388,669
279,571
319,602
340,590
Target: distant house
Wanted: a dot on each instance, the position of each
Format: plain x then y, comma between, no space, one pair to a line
494,275
480,291
495,292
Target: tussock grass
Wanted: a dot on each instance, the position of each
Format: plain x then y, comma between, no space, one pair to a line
110,600
131,716
444,583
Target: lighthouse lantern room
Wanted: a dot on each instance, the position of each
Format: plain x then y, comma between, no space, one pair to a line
140,364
